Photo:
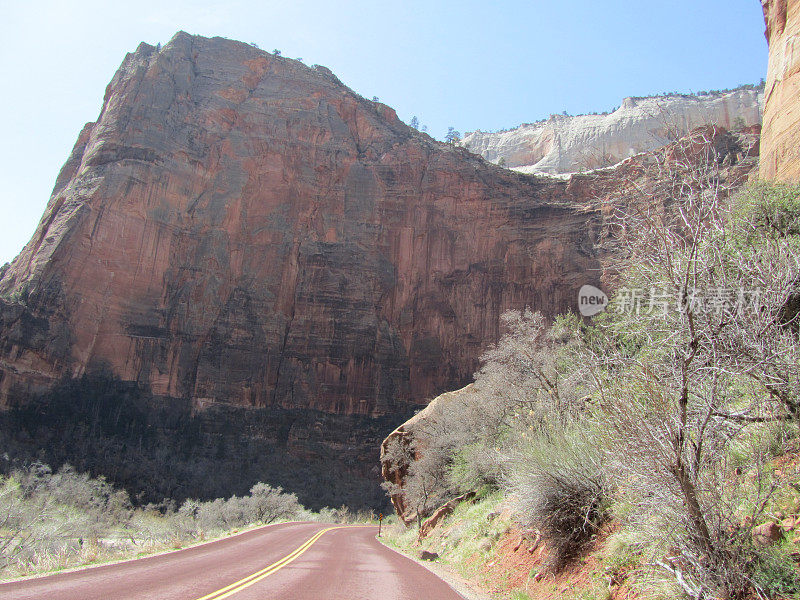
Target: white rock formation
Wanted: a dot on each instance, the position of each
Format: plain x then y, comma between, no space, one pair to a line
565,144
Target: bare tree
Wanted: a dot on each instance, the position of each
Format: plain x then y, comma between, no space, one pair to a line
528,372
682,368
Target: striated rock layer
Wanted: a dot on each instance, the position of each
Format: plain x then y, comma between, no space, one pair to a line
780,143
239,228
569,144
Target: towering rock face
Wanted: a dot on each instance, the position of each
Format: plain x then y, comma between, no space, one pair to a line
780,143
566,144
240,229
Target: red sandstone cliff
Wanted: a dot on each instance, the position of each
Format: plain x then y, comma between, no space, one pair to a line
780,142
239,228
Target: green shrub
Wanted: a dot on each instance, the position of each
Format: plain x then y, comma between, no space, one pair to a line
475,466
623,551
559,484
769,209
776,574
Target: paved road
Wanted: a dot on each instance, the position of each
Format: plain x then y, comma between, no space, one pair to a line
290,561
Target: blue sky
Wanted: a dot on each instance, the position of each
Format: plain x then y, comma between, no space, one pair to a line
472,65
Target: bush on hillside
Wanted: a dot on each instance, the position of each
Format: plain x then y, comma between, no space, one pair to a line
558,484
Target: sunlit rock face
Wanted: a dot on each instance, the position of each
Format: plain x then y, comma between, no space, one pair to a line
570,144
240,229
780,142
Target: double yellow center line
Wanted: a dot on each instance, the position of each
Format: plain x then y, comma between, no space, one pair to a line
238,586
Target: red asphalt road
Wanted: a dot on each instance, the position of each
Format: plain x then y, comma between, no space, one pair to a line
343,564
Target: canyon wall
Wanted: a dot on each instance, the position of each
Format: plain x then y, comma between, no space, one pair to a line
238,228
267,272
780,142
569,144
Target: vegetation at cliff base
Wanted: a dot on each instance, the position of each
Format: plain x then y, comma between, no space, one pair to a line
55,520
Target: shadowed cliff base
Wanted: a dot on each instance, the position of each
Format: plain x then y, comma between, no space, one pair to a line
158,448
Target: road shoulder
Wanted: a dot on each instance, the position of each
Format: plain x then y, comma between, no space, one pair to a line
462,586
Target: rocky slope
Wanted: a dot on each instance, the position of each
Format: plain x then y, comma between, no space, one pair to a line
780,145
567,144
239,231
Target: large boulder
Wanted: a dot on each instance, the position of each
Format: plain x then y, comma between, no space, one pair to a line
407,436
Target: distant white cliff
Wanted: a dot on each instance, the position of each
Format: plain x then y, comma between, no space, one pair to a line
566,144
